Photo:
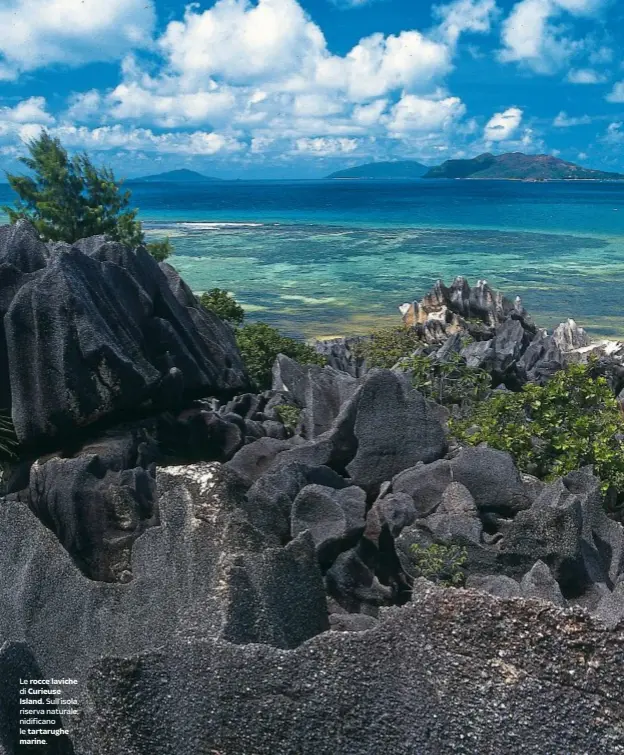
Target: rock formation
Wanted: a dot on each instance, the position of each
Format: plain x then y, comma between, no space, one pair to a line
220,584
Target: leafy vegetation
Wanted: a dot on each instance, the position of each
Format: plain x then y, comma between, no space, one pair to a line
289,415
440,563
223,304
68,198
8,439
387,346
572,421
448,381
260,344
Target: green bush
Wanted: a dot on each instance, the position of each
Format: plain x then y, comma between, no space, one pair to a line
289,415
260,344
387,345
67,199
572,421
223,304
440,563
8,439
448,381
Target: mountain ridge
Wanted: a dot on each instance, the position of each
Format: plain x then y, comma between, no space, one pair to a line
180,175
518,166
401,169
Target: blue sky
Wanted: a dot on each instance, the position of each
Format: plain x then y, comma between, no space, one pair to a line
298,88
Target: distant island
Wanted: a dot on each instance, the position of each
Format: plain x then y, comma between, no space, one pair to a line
183,175
384,170
520,167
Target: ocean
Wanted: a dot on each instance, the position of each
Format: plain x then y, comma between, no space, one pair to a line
326,258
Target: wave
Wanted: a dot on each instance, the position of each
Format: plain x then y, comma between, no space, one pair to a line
201,226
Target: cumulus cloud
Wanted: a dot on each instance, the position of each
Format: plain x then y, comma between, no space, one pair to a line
563,120
617,93
585,76
32,110
135,139
534,36
322,147
465,16
503,126
36,33
614,134
246,78
413,113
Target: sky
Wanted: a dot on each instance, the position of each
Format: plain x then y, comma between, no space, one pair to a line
299,88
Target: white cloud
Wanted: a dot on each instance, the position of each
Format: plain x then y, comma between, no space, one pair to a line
321,147
243,42
413,113
617,93
465,16
563,120
134,139
503,126
36,33
32,110
585,76
255,79
531,38
615,134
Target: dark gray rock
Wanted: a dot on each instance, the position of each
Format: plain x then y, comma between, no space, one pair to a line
394,429
495,584
353,583
17,663
321,391
97,508
204,571
540,583
330,515
492,479
341,354
100,332
541,360
558,530
456,519
456,671
393,513
269,501
351,622
253,460
610,610
425,483
21,247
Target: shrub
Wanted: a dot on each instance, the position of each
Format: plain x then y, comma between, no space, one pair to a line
289,415
223,304
572,421
67,199
440,563
449,381
387,345
8,439
260,344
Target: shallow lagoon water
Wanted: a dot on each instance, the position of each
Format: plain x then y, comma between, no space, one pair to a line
320,258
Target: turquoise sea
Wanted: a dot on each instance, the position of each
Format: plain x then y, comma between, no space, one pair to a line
320,258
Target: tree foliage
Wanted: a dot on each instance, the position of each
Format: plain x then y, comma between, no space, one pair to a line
387,346
572,421
449,380
223,304
260,344
440,563
8,439
69,198
289,415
